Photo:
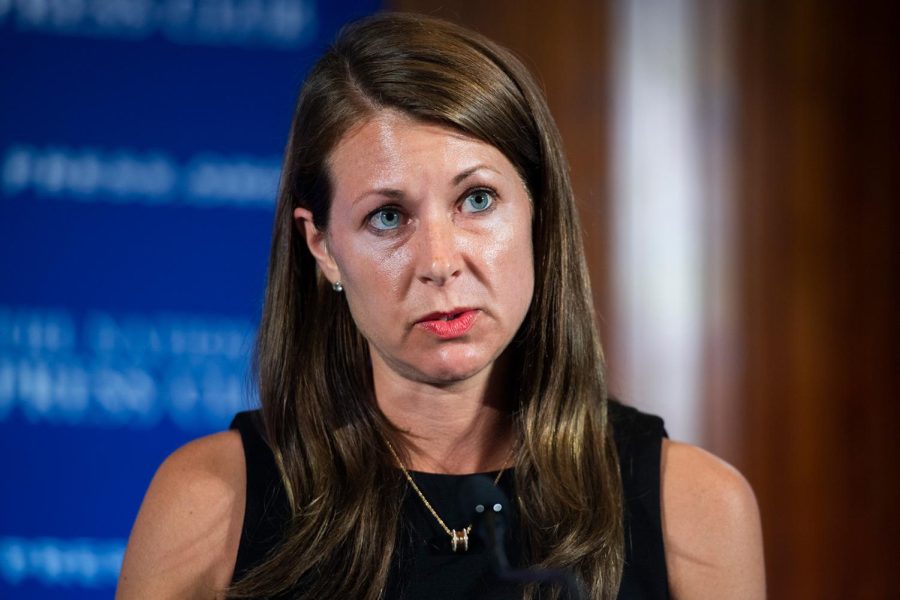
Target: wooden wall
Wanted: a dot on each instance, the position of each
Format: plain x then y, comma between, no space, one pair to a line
812,411
815,408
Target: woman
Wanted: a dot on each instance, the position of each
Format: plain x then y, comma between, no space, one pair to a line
427,317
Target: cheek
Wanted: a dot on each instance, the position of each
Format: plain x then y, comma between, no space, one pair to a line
392,266
498,243
368,266
510,258
374,280
497,250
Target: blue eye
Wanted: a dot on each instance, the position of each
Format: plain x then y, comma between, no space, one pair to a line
478,201
385,219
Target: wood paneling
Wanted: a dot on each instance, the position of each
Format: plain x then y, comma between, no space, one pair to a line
815,409
810,416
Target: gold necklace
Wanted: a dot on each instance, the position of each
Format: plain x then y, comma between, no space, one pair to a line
459,538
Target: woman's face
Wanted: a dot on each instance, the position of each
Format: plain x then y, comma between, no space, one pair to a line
430,236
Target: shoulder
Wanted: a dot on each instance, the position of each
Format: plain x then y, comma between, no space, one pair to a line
711,527
185,538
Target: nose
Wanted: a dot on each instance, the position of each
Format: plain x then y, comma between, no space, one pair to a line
439,257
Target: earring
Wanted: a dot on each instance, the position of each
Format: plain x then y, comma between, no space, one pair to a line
337,286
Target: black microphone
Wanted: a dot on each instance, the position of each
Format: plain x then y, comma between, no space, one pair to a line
489,507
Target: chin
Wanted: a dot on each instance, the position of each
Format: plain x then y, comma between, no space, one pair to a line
452,369
447,377
443,366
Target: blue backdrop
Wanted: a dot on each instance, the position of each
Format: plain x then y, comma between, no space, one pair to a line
140,145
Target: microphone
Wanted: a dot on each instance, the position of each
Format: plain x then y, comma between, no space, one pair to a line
488,507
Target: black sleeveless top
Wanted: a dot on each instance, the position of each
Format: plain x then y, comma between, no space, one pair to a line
425,567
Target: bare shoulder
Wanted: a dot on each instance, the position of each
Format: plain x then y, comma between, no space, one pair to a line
711,527
185,538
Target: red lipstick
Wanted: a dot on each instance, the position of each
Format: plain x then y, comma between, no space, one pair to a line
450,325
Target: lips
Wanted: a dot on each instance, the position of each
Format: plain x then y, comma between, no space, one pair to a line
449,325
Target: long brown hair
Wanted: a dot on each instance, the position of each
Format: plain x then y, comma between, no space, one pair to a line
312,364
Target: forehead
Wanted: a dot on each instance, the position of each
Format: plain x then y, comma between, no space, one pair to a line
391,149
392,138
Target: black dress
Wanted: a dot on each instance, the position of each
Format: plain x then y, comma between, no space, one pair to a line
430,569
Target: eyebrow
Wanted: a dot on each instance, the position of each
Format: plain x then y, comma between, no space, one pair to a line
468,173
392,193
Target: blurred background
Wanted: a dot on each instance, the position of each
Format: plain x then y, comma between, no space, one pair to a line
735,166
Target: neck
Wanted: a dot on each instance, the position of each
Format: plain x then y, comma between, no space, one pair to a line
455,429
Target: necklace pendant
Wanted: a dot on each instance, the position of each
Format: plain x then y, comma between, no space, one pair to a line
459,540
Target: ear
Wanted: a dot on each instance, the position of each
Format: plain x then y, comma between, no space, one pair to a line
317,244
